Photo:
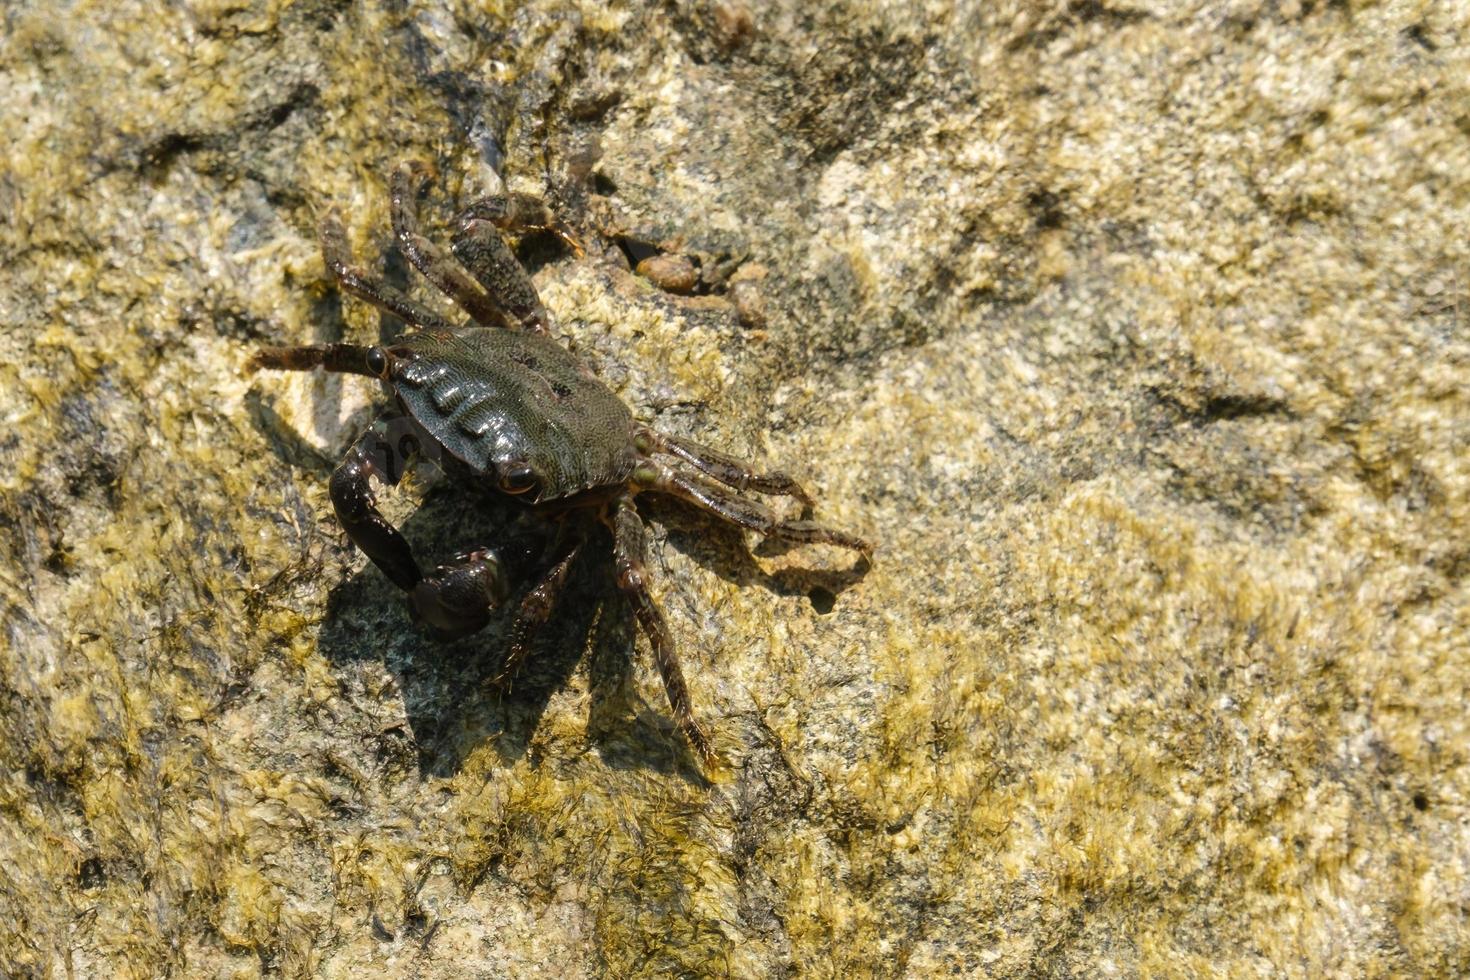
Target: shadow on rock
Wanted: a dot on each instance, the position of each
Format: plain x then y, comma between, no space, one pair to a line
453,705
449,698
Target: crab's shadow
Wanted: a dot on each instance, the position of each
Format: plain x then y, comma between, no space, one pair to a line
722,549
453,708
452,703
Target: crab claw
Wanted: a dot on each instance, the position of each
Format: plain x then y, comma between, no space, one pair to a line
457,599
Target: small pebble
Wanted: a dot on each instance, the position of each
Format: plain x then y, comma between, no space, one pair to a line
672,273
750,304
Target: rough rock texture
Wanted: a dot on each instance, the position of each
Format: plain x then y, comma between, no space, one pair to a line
1136,334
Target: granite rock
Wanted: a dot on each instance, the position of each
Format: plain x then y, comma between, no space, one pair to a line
1134,334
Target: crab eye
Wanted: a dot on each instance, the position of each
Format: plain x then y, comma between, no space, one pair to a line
517,477
377,362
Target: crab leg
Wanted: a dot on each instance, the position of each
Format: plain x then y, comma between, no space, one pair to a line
534,611
340,358
628,555
477,243
747,513
727,469
518,212
337,257
442,270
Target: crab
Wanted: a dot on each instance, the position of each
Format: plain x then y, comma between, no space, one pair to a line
500,403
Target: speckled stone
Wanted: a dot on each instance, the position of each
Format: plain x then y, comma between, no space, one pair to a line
1135,335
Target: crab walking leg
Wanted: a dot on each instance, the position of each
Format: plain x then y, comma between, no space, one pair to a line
340,358
337,257
628,556
727,469
744,512
518,212
477,244
442,270
747,513
352,497
534,611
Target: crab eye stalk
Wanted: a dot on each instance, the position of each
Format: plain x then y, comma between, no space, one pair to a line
517,477
377,362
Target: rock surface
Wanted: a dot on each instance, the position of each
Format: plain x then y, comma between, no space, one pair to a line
1135,334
